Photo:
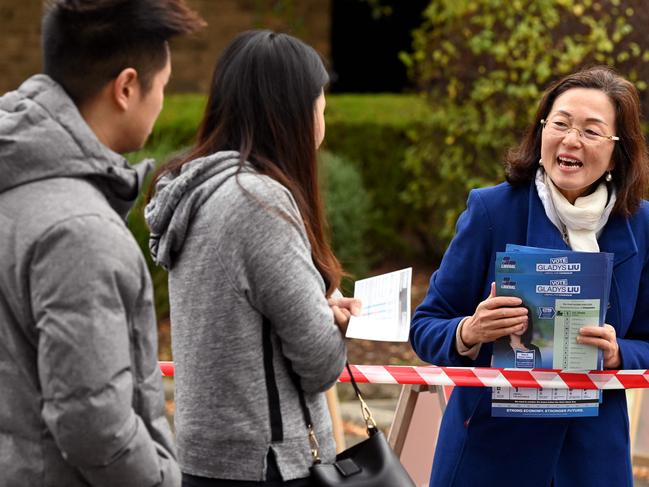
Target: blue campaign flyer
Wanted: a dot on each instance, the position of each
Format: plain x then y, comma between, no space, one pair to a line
563,291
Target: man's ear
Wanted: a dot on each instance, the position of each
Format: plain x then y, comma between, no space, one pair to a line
125,88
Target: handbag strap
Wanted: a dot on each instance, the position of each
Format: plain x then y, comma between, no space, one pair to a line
313,440
372,428
277,432
274,409
365,410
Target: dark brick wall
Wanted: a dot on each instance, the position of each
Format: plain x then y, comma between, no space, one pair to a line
20,41
193,57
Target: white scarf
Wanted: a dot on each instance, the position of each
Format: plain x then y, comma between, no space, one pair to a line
580,223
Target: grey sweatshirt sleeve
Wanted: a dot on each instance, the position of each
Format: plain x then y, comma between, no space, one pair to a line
84,276
274,268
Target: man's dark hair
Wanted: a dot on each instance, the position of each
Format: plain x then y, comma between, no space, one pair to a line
87,43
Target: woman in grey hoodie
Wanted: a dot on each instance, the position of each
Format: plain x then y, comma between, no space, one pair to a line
238,222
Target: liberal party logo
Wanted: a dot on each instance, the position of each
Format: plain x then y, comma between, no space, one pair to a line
507,283
508,263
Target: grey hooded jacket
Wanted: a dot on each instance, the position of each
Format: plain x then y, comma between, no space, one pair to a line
81,399
237,251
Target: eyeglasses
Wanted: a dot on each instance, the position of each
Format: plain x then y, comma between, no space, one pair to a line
560,128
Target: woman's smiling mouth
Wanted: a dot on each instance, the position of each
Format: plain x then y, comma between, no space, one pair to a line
568,162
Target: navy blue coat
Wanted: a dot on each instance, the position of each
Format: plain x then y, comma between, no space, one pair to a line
475,449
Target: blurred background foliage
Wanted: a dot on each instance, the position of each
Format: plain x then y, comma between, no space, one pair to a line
483,65
397,167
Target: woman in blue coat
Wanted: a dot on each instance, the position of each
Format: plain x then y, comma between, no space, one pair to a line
575,182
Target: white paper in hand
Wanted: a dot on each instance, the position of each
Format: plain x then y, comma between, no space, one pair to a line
385,313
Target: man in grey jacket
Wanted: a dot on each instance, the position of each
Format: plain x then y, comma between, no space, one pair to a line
80,392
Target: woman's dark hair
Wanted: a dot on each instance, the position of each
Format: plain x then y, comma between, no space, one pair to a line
631,174
87,43
261,103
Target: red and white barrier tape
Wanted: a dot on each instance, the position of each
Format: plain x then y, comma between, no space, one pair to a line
487,377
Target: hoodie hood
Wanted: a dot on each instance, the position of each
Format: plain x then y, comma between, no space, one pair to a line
43,135
179,196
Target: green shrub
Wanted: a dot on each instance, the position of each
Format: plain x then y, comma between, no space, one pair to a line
137,225
374,132
178,122
483,65
348,208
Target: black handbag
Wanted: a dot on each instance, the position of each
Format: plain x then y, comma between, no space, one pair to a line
370,463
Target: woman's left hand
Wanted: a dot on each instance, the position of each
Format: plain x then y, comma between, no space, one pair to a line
602,337
343,309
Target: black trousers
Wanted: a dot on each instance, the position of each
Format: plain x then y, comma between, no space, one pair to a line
273,479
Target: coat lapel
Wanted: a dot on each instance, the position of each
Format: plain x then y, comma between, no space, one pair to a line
618,239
